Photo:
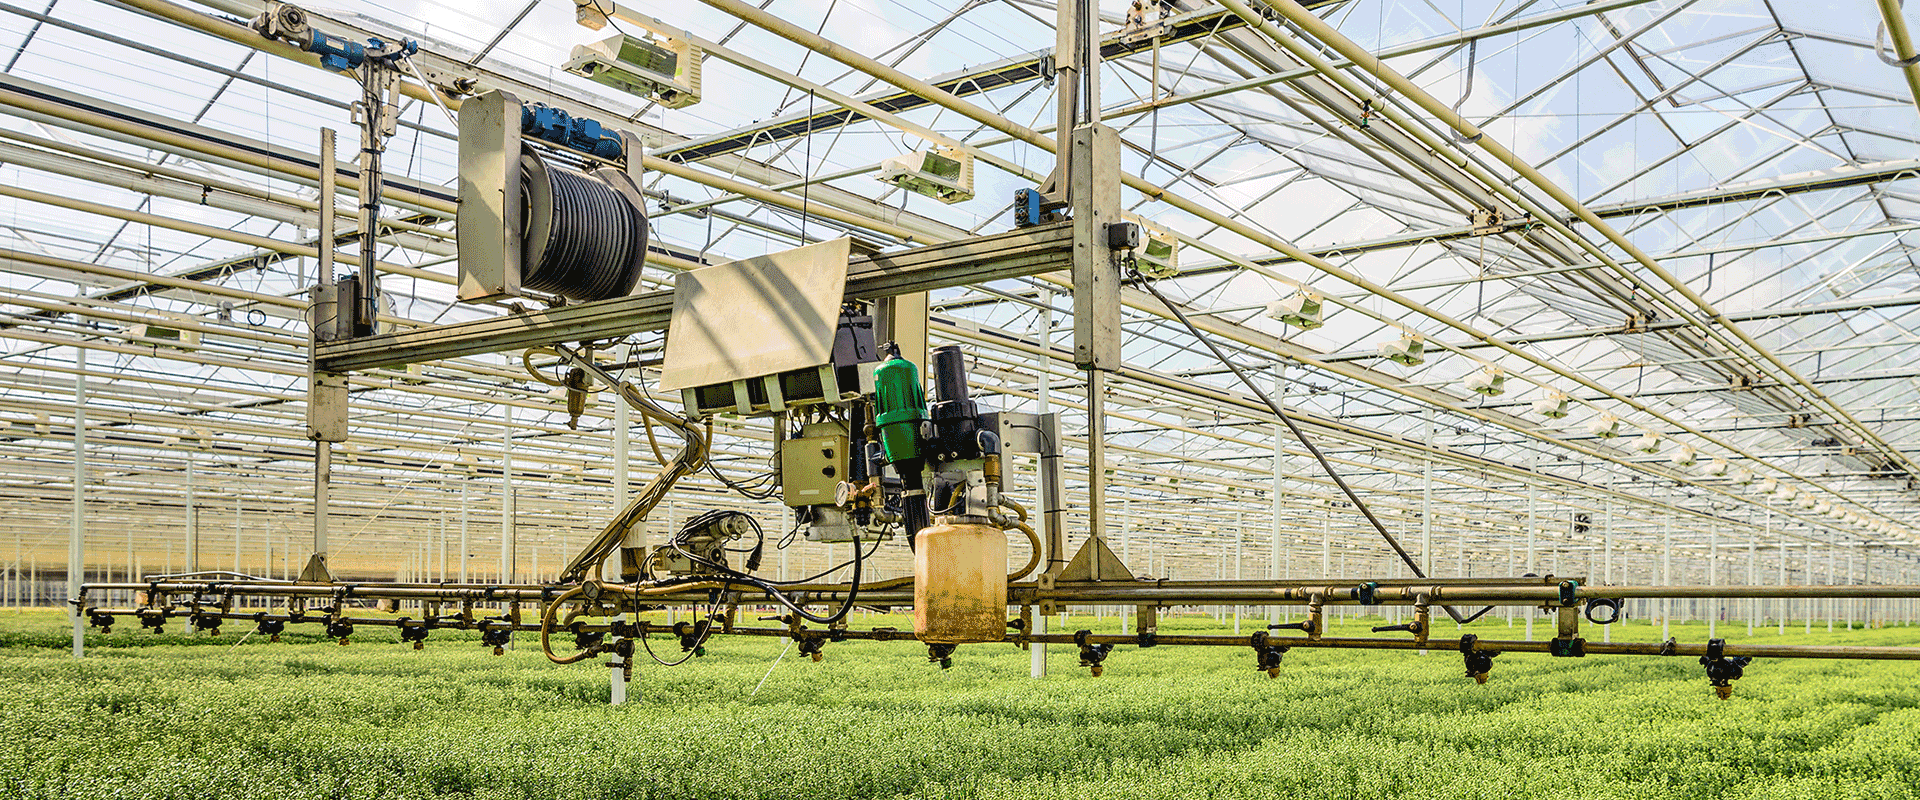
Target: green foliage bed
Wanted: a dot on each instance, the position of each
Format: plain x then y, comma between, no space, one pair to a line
305,718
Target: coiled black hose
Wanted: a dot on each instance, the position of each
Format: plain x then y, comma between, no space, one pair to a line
583,239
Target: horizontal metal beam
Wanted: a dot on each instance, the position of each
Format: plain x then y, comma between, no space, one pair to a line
1837,307
1822,180
1019,253
1007,72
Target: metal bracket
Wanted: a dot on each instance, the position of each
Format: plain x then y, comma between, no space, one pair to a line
316,570
1095,562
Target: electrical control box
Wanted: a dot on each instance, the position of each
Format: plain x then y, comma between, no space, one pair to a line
813,466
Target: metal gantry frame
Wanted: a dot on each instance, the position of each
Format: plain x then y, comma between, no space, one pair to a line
1284,111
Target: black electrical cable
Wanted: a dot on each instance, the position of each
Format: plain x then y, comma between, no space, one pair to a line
1302,436
830,570
585,240
772,588
705,634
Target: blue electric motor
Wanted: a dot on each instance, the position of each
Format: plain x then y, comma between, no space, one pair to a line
575,133
340,54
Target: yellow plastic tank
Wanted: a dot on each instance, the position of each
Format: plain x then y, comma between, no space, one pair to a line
960,584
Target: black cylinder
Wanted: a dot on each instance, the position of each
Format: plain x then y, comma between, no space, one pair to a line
949,374
956,420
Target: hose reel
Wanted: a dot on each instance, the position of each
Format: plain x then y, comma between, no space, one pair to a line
550,204
582,237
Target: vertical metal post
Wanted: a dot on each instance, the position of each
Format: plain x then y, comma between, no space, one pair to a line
1239,539
1126,555
1426,507
1606,569
1533,509
190,555
380,82
77,541
1808,572
622,457
1753,565
1095,188
1666,579
322,476
1097,463
325,422
1326,547
1780,606
1053,525
1279,476
1067,65
1830,579
1851,579
507,542
1713,578
1344,614
1426,501
465,553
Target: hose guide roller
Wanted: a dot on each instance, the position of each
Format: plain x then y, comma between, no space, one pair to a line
550,204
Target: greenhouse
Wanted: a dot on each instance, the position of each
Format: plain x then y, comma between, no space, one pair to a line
959,399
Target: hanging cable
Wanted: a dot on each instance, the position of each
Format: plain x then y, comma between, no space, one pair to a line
1302,436
1473,48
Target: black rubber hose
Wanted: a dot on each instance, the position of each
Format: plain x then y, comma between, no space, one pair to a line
595,237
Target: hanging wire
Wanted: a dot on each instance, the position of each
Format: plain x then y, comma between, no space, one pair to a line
1325,465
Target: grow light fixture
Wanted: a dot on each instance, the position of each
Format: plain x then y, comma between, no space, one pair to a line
169,331
1158,254
1410,349
1490,381
1302,310
1743,477
1553,406
663,69
1649,442
942,173
1805,501
1605,426
1685,456
1823,507
1718,467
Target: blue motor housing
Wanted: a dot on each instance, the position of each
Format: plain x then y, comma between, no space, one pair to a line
552,125
337,53
340,54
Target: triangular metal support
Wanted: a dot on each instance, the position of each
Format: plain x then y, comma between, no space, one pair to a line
1095,562
316,570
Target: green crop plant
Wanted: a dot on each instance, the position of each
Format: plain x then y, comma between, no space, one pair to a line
215,717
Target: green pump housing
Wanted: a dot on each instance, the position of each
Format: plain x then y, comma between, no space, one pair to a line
900,405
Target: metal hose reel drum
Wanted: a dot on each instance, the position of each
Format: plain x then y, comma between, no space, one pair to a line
581,238
550,204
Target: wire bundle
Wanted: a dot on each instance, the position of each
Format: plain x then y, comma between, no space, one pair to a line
582,239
